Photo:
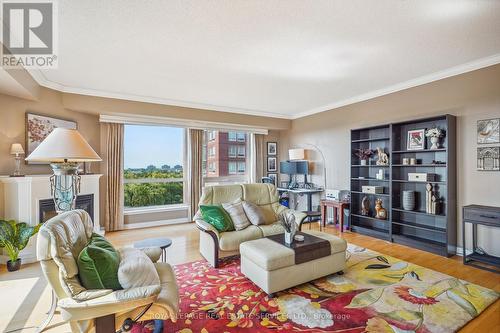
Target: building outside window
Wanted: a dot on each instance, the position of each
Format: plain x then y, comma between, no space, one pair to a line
153,166
233,151
241,151
232,168
228,164
241,167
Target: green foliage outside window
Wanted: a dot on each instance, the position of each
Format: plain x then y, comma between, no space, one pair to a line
153,194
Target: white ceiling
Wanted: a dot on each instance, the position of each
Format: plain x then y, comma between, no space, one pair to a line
283,58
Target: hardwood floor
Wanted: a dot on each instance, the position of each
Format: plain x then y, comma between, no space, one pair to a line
26,296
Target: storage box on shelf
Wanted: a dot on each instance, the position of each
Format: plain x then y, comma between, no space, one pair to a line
423,228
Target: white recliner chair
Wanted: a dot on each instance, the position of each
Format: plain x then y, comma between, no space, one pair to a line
60,240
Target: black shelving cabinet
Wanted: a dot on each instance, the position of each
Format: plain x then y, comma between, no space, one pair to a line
436,233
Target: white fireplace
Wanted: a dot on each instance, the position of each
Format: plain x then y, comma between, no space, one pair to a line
21,199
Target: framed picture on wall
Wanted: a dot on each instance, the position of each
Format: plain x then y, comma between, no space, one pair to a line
488,131
416,140
271,164
274,177
39,126
272,148
488,158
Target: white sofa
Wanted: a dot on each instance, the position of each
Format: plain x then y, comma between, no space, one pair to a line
214,244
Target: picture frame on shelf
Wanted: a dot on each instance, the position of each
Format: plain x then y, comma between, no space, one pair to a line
274,177
488,158
272,164
39,126
415,139
272,148
488,131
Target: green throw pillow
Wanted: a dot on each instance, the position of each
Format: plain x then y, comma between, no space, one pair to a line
98,264
218,217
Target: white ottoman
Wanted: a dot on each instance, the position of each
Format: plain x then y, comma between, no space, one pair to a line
272,267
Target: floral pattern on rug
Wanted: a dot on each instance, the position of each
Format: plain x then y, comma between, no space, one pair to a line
377,293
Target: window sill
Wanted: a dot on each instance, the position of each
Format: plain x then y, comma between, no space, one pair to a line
154,209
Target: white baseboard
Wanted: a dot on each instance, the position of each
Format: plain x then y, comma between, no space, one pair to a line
460,251
155,223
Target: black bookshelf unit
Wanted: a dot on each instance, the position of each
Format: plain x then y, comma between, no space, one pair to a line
417,228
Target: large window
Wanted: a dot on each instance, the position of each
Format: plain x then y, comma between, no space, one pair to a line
153,162
226,159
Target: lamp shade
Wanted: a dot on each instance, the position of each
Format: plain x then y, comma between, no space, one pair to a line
16,149
64,145
296,154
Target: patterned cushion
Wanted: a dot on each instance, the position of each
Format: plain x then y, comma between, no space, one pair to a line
136,269
254,213
235,210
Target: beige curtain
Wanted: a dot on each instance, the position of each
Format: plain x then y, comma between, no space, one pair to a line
113,163
259,157
195,151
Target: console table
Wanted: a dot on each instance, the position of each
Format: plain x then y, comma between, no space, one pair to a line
483,215
303,191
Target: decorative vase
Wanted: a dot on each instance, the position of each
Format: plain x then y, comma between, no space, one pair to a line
289,237
13,266
435,142
363,162
408,200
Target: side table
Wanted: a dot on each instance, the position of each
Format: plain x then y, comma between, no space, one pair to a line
162,243
338,206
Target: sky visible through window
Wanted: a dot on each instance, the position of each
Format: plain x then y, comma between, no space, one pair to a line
152,145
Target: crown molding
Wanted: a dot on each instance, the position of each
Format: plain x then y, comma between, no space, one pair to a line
452,71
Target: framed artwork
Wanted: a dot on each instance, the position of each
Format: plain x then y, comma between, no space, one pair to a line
39,126
488,158
271,164
274,177
488,131
272,148
416,140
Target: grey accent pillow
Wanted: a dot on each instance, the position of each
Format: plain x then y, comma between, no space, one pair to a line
254,213
235,210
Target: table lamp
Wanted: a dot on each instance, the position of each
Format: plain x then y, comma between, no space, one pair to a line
17,150
64,149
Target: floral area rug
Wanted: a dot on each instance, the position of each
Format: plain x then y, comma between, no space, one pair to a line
377,293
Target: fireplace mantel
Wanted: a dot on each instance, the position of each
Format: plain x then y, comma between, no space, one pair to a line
20,200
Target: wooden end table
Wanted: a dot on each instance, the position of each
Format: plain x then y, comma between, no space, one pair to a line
337,206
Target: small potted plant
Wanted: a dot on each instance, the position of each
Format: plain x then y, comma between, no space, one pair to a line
363,154
14,237
288,222
435,134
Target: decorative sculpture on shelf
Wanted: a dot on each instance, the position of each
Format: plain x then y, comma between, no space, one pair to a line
365,206
435,134
432,201
383,159
428,198
381,212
